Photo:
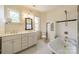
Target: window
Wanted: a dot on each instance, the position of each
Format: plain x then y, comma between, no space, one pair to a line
14,16
37,23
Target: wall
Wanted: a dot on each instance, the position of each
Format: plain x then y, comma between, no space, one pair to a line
2,28
43,24
58,14
23,11
51,16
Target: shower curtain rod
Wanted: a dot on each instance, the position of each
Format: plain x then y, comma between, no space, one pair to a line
66,20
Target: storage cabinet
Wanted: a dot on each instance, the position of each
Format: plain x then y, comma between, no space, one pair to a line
15,43
30,41
24,41
11,44
7,46
33,37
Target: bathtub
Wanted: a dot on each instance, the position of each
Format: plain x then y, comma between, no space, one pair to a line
57,46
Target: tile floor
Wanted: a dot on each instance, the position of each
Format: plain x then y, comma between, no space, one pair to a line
40,48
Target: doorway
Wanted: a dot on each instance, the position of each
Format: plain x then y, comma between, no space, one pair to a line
47,31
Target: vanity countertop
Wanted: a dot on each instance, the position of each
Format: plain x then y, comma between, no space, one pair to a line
7,34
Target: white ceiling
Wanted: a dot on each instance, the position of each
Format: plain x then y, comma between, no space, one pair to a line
42,8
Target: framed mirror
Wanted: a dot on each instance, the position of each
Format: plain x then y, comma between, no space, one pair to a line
28,24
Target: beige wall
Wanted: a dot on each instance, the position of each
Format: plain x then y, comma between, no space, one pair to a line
43,22
23,11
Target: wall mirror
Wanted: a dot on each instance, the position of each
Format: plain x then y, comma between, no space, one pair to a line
28,24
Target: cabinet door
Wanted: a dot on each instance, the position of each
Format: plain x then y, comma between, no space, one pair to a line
35,37
17,43
24,41
7,47
30,41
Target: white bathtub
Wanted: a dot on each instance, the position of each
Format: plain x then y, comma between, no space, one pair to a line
57,46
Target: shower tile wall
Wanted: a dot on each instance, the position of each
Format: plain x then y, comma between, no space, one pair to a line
60,28
71,29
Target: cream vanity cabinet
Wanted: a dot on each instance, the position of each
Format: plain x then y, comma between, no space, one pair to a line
16,43
24,40
32,38
35,38
7,46
11,44
30,41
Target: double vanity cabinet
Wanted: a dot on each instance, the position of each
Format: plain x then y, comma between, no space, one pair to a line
17,42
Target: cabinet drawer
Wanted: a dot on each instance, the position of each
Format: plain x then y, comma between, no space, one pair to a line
6,38
16,49
23,42
10,37
24,35
24,39
18,41
17,36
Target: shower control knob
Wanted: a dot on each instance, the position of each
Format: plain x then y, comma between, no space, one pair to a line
65,46
65,40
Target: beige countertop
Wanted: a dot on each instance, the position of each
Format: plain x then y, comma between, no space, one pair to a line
7,34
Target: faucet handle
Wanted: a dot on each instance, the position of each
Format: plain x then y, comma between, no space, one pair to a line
66,37
66,32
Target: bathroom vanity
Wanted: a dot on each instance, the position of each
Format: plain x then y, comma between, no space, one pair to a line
13,43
